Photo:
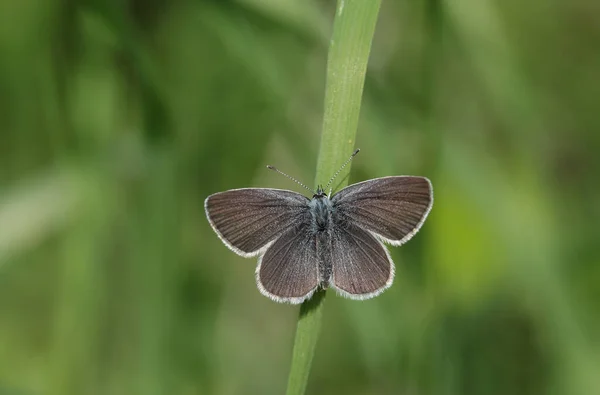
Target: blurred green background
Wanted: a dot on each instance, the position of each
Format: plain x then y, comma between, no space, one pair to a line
118,118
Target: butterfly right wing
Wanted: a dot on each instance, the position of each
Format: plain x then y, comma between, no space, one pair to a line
247,220
288,271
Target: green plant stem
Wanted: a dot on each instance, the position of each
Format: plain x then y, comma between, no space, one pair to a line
349,49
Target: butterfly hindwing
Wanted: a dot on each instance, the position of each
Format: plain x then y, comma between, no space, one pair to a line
288,271
361,265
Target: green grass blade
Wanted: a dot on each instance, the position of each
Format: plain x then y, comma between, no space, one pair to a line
349,49
346,67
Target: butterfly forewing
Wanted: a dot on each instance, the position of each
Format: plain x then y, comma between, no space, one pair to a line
394,208
361,266
248,219
288,271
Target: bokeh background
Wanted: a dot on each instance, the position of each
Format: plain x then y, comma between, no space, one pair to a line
118,118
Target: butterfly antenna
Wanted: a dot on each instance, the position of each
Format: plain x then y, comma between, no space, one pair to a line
341,168
290,177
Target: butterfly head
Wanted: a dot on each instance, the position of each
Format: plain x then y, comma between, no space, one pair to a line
319,193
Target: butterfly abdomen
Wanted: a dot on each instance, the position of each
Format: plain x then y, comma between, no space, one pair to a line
321,210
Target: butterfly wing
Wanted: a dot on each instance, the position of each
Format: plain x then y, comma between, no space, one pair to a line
288,271
248,220
393,208
361,265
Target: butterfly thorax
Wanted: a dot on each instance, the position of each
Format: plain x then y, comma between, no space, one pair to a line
320,209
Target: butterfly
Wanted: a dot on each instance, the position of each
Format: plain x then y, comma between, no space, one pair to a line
304,244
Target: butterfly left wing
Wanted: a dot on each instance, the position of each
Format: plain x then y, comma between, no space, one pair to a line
361,267
393,208
247,220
